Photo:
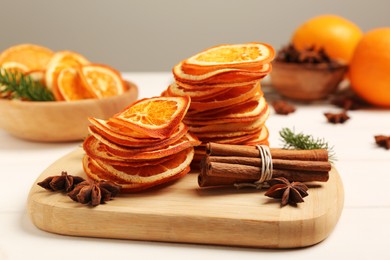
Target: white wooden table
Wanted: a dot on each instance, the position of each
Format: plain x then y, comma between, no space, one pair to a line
363,231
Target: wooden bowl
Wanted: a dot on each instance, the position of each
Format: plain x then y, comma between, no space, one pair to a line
59,121
306,82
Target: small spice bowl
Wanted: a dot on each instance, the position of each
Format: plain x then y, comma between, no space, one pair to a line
306,82
59,121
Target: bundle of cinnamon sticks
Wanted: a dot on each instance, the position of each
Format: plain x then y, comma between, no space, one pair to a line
226,164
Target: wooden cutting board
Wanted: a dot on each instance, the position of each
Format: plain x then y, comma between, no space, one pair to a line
183,212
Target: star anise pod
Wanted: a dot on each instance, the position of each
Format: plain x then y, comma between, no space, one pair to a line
383,141
290,193
63,182
337,118
93,192
282,107
348,102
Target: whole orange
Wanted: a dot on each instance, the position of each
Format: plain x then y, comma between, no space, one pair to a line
369,68
337,35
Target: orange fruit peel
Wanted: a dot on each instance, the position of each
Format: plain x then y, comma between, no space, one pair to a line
335,34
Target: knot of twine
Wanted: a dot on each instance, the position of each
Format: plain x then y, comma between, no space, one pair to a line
266,169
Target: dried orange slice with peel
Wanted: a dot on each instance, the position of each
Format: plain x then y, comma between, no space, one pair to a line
233,96
14,67
121,152
95,172
158,116
199,87
229,127
222,76
37,75
150,173
70,87
121,132
205,93
33,57
60,61
93,148
102,80
108,139
245,55
248,111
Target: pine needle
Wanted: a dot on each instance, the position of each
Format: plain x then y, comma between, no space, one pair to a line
300,141
19,86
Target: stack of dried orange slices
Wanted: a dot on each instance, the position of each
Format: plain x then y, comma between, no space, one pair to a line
227,104
145,145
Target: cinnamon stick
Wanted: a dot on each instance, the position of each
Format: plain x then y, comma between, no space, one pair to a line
233,164
277,153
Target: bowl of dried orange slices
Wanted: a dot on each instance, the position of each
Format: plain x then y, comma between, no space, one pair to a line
47,96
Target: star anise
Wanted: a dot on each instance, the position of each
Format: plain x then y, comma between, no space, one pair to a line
282,107
383,141
309,55
348,102
63,182
337,118
290,193
93,192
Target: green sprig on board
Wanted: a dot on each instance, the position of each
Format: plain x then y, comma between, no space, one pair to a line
23,87
300,141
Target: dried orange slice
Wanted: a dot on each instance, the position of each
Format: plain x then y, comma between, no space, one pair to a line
37,75
158,117
199,94
245,112
239,139
261,138
201,86
245,55
129,154
60,61
229,127
32,56
137,147
150,173
221,76
233,96
136,178
14,67
70,87
102,80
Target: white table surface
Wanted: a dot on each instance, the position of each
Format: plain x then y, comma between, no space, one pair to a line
363,231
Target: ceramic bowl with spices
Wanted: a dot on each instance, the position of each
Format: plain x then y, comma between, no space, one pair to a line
59,121
307,75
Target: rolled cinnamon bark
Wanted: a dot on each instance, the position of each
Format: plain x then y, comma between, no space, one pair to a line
215,149
233,164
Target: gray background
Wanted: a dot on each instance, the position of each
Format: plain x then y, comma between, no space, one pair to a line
146,35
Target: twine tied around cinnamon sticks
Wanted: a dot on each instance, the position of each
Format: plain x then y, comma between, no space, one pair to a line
242,165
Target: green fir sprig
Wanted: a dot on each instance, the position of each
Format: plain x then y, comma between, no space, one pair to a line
300,141
23,87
